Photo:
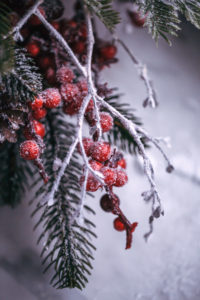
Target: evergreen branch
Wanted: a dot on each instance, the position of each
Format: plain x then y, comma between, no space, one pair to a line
191,10
14,176
67,247
104,11
24,81
161,17
6,44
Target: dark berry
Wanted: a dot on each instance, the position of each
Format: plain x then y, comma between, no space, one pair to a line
107,203
101,151
118,225
121,178
29,150
106,121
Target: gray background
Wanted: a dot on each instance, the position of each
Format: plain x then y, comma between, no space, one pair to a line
167,267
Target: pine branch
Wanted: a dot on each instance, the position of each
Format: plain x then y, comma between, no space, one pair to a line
24,81
67,247
162,17
191,10
14,176
6,44
104,11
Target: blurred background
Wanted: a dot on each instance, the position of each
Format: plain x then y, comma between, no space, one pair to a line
168,266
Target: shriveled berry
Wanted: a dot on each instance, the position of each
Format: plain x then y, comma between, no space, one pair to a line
33,48
65,75
109,176
101,151
51,97
118,225
69,92
106,121
87,144
108,52
121,178
107,203
122,163
95,165
39,113
37,103
38,128
29,150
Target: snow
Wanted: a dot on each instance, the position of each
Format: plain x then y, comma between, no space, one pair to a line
167,267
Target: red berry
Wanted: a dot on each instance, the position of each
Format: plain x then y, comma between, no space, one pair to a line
118,225
121,179
33,48
51,97
71,109
101,151
108,52
34,20
92,183
87,144
46,62
65,75
69,92
122,163
39,113
79,47
107,203
136,18
95,165
83,87
29,150
109,176
50,76
37,103
106,121
90,106
38,128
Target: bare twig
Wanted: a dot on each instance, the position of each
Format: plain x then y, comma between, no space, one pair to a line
151,99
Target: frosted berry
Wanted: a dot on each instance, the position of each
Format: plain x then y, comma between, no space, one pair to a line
121,178
95,165
39,113
92,183
87,144
65,75
101,151
69,92
38,128
51,97
136,18
118,225
106,121
109,176
90,106
29,150
37,103
122,163
34,20
108,52
33,48
83,87
107,203
72,108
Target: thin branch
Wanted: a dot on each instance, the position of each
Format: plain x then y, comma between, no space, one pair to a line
62,42
25,18
151,100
